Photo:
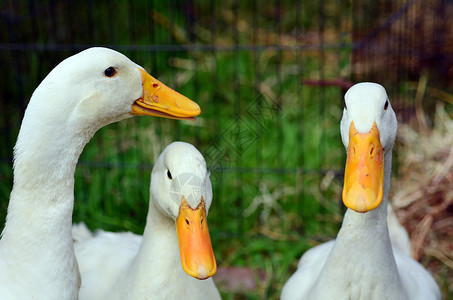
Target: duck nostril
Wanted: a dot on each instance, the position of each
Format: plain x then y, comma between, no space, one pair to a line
155,85
371,151
187,222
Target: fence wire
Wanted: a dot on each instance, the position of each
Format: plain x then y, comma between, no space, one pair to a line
269,77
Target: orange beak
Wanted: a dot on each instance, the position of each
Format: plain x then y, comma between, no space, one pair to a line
364,173
161,101
197,256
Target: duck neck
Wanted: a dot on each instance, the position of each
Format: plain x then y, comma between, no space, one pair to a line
362,259
37,234
42,198
160,239
158,256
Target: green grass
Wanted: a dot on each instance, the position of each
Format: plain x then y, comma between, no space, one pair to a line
292,131
275,153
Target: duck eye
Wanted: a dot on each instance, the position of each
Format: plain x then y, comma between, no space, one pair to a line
169,175
386,105
110,72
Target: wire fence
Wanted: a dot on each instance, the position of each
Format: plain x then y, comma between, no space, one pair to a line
269,77
346,42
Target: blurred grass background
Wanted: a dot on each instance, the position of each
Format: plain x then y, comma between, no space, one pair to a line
269,77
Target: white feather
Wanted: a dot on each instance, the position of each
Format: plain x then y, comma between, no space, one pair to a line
128,266
76,99
361,263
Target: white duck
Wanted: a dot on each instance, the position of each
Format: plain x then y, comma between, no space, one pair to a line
360,263
128,266
83,93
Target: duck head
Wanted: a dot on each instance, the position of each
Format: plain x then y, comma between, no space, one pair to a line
99,86
181,189
368,130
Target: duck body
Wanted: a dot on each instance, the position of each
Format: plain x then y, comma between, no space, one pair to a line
337,270
129,266
114,255
76,99
361,263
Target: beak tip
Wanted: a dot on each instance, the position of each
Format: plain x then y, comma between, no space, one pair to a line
202,272
361,199
196,110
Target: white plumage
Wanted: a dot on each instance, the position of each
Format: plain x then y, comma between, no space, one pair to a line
129,266
78,97
361,263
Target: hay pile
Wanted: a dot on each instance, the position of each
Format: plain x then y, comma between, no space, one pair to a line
423,194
